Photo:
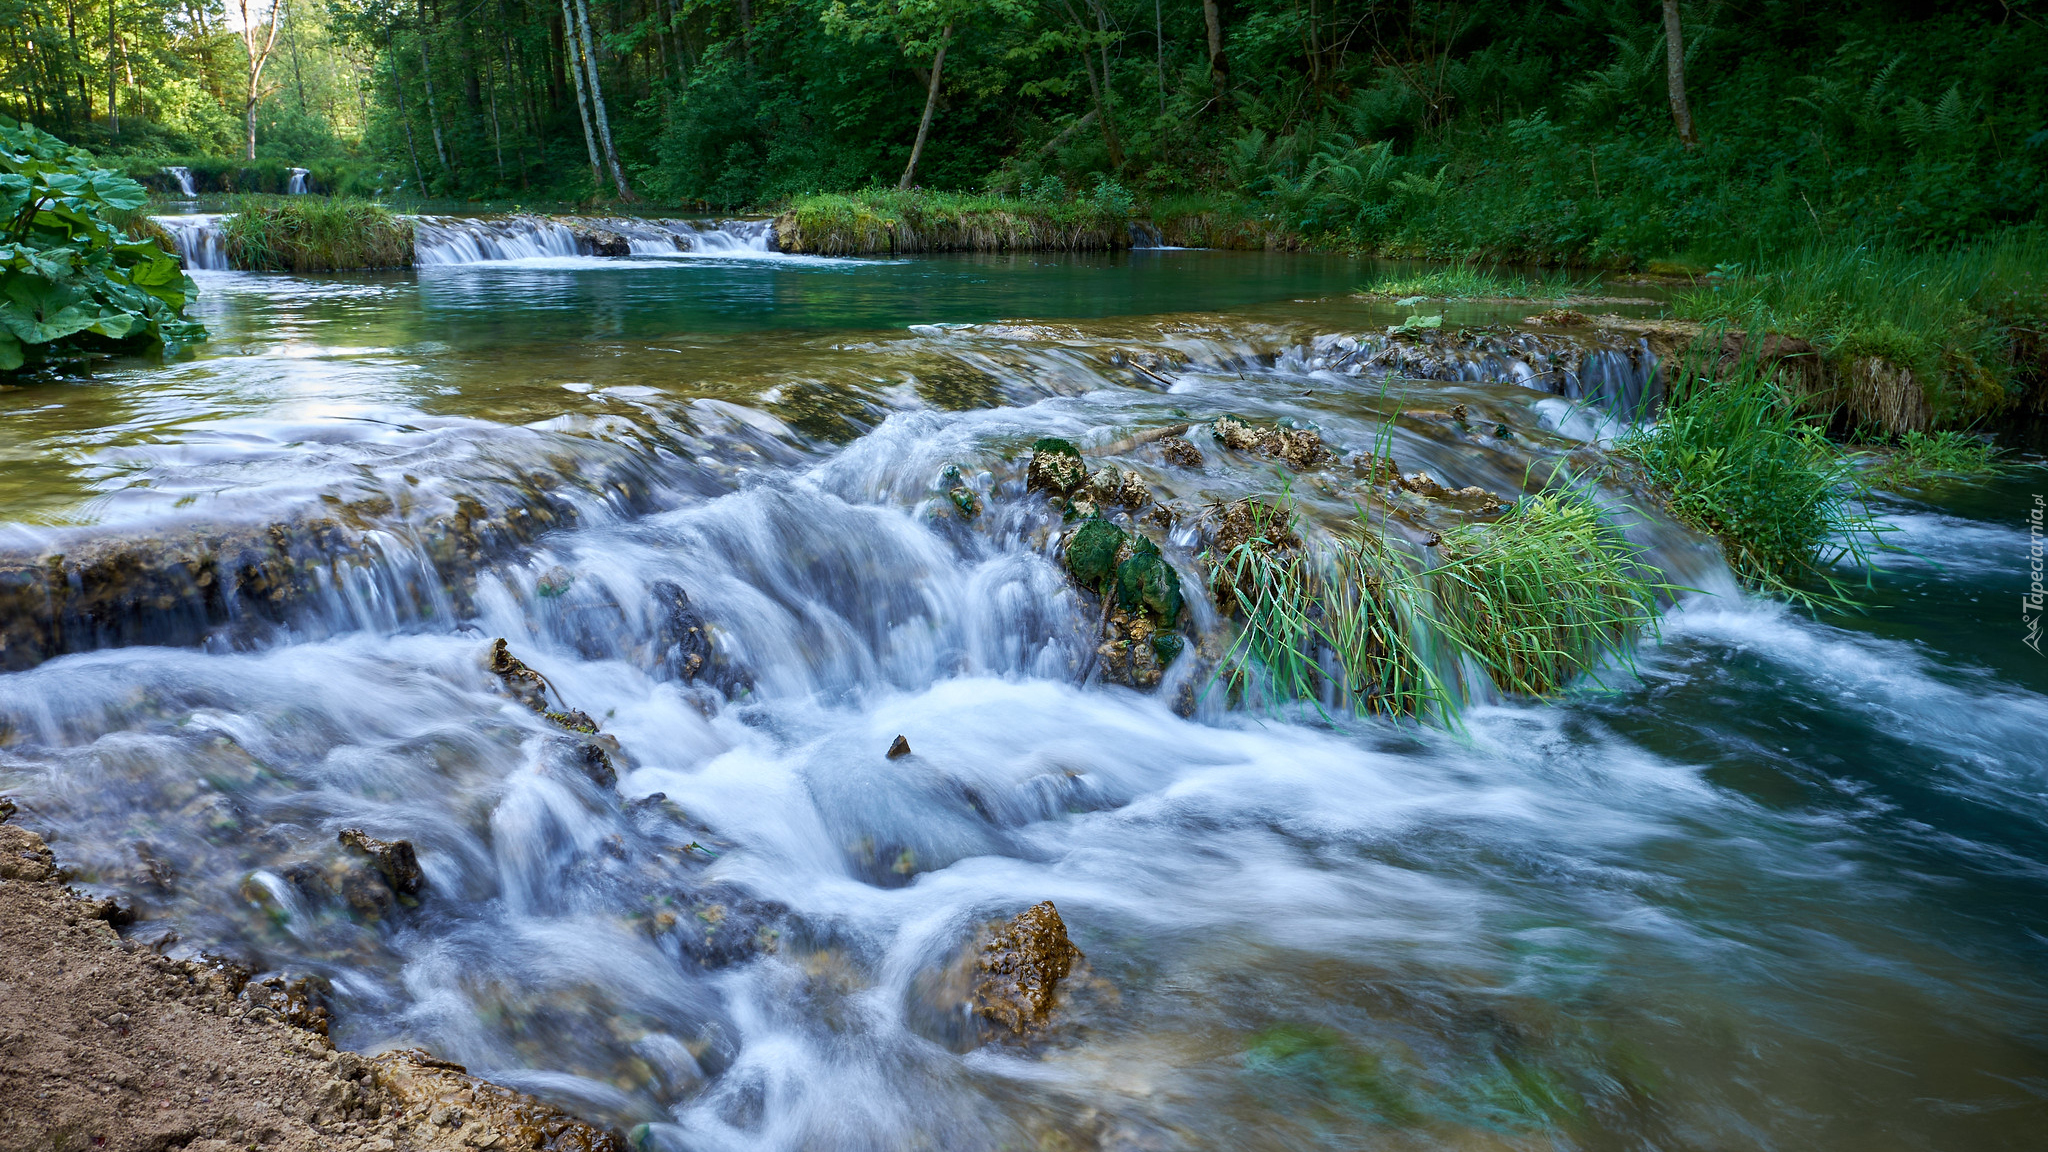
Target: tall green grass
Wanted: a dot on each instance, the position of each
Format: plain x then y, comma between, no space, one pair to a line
1922,458
1736,458
1955,317
314,234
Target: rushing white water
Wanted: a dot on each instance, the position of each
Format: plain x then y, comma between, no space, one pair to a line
1770,888
297,187
183,176
439,240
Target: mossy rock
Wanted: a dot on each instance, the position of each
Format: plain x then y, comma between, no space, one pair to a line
1145,580
1168,647
1092,553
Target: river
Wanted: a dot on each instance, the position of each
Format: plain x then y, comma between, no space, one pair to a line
1781,884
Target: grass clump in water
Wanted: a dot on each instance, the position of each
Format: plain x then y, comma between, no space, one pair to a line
1468,282
892,220
1546,593
314,234
1736,459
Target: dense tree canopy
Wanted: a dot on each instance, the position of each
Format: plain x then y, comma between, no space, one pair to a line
1554,119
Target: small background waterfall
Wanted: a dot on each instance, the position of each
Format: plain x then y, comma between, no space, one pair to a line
1758,890
297,187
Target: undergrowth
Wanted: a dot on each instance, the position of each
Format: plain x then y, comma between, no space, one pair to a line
889,220
314,234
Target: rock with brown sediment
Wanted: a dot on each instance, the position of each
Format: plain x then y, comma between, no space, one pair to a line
1119,486
899,748
1375,469
1055,468
1254,524
1561,318
1020,966
451,1108
1181,452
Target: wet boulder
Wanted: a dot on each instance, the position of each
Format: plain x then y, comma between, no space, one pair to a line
1019,968
395,860
526,685
1181,452
1055,467
684,639
1301,448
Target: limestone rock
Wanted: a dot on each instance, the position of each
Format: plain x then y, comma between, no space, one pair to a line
395,860
1055,467
1181,452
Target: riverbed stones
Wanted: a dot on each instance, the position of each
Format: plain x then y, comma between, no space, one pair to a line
684,639
1301,448
526,685
1181,452
1019,967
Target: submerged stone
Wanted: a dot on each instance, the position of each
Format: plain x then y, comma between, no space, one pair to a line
1020,966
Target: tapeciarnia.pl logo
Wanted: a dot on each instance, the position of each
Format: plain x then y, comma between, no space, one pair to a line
2031,603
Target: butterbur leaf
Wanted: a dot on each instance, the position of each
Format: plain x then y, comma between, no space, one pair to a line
10,348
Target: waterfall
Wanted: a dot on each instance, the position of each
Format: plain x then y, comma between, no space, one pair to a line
298,184
198,240
728,237
443,240
183,176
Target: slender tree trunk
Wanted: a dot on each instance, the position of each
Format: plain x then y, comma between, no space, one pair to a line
497,132
252,35
398,86
1674,74
604,128
582,104
1159,46
433,109
113,104
931,101
1219,67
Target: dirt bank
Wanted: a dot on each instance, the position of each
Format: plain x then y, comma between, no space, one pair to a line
106,1045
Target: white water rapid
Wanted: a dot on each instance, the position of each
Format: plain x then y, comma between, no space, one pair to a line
297,187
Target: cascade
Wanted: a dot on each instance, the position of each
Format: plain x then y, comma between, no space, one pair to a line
198,240
443,240
183,176
297,187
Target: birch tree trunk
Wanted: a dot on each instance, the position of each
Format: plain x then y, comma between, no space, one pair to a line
604,128
254,34
582,104
931,100
1674,74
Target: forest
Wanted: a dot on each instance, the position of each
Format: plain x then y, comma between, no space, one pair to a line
1348,122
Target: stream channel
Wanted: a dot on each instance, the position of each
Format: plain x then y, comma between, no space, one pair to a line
1783,884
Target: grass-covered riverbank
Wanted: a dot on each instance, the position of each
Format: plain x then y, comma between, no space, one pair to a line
314,234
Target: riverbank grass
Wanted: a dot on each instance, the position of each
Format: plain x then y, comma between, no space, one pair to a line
888,220
314,234
1966,321
1470,282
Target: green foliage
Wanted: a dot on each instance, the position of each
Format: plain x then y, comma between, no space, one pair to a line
1735,459
70,279
314,234
1543,594
1948,313
1921,458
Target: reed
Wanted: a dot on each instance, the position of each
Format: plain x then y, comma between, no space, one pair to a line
314,234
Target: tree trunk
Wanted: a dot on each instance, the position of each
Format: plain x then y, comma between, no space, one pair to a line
252,34
604,128
931,101
582,105
1219,68
1674,74
1095,92
113,105
398,86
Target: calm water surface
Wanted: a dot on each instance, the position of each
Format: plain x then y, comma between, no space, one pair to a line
1784,885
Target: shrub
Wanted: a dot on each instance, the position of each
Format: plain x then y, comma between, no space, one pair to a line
70,279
